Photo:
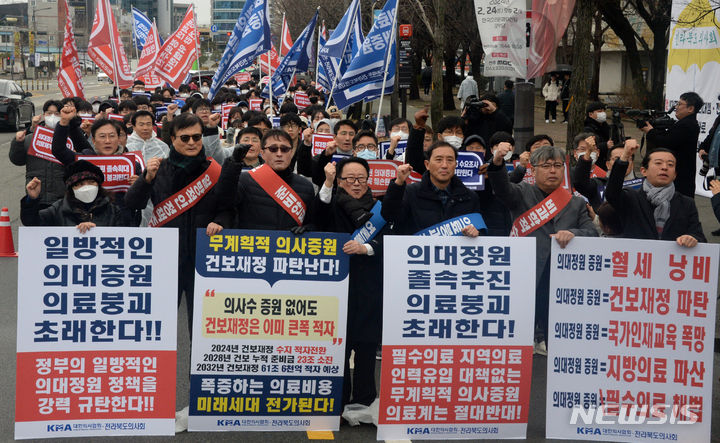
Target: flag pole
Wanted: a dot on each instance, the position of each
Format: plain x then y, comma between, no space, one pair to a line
317,58
332,89
108,16
270,85
387,64
135,40
197,49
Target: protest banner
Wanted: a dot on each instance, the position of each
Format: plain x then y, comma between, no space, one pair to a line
302,100
226,107
320,141
399,149
96,332
255,104
457,337
269,331
117,169
41,144
630,351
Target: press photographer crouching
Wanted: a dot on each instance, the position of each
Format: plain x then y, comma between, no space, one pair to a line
681,138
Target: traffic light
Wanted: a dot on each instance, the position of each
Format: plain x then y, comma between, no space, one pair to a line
229,34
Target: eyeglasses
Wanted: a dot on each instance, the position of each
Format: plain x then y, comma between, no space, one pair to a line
360,180
203,109
547,166
186,137
369,146
274,149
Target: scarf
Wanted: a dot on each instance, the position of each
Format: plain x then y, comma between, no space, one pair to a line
188,168
659,197
357,209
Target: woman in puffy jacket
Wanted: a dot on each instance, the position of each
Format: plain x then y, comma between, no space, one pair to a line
551,93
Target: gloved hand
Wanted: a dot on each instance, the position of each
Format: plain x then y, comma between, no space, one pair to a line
298,230
240,152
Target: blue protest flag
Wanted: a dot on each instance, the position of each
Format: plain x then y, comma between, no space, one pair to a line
297,60
141,27
372,65
331,68
335,46
250,38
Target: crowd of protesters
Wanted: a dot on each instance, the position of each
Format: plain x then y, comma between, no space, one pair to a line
178,137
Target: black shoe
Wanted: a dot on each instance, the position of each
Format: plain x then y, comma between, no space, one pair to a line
716,232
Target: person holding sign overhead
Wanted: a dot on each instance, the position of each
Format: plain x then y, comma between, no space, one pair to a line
543,210
352,209
440,196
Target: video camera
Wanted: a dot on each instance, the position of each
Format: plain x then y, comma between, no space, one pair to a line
658,119
474,107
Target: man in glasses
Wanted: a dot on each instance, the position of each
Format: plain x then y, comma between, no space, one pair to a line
164,183
438,197
543,210
270,196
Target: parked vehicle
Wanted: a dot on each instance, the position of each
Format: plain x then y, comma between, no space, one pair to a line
16,111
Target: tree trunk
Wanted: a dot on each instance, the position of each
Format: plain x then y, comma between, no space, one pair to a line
579,81
658,66
597,42
449,82
436,102
614,17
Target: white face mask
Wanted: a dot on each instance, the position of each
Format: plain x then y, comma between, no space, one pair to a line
593,155
86,194
244,91
601,117
51,121
205,90
453,140
367,154
184,94
96,108
401,134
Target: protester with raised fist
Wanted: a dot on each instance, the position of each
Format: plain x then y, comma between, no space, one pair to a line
568,219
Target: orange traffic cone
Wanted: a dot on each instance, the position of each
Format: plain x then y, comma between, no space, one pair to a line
7,247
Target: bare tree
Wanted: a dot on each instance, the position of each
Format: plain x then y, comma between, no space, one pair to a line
432,14
579,81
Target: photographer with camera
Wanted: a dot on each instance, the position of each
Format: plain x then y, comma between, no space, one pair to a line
681,138
483,117
596,123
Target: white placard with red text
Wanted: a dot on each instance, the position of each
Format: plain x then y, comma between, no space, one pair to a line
96,332
457,337
630,351
41,144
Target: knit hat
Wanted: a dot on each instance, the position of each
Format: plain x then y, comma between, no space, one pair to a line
82,170
594,106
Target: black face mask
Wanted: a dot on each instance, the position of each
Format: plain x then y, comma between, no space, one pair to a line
313,100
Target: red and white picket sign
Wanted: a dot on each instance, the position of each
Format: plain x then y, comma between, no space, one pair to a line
302,100
255,104
320,141
242,77
41,144
117,117
384,171
226,107
117,169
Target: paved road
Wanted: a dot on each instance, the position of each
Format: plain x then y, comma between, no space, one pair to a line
11,190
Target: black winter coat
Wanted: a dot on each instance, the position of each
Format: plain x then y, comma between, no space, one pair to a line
602,135
681,139
256,209
417,206
198,216
71,212
365,292
50,173
637,213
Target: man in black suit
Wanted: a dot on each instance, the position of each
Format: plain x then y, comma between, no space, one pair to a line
682,139
657,211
